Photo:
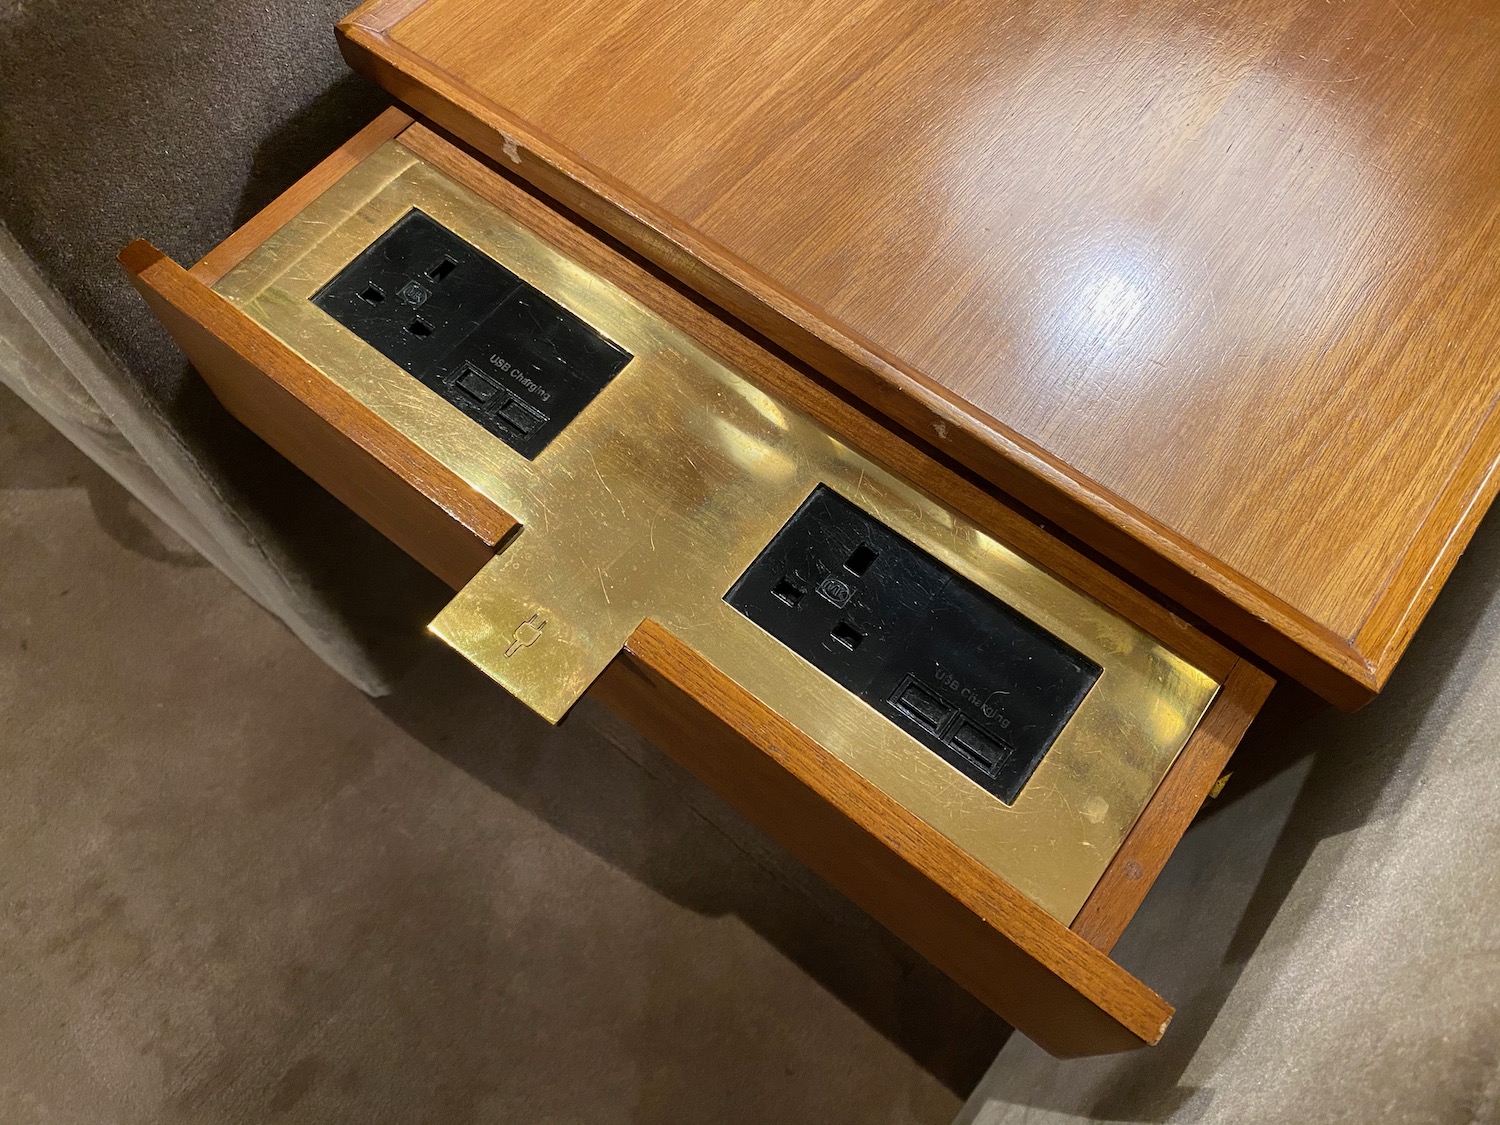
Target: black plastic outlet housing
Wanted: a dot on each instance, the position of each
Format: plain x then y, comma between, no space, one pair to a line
983,687
494,346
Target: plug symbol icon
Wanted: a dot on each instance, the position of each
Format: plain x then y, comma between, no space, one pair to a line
526,634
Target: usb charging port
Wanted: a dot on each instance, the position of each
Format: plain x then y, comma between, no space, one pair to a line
981,748
921,706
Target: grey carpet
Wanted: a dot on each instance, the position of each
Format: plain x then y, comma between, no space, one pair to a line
234,889
1329,934
177,120
231,888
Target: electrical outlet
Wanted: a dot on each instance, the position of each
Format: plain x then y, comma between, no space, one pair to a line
983,687
495,347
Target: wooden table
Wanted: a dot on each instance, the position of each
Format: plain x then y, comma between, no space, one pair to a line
1214,287
1211,290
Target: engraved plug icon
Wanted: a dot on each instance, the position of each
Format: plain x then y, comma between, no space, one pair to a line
527,634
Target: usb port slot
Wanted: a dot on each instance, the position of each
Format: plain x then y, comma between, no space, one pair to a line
921,706
981,748
521,416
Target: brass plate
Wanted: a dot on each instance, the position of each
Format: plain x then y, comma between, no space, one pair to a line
660,494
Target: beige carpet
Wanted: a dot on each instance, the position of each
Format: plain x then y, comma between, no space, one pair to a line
234,889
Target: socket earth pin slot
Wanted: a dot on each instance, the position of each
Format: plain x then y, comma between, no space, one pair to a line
493,346
984,688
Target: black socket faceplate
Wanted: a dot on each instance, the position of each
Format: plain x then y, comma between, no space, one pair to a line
494,346
974,681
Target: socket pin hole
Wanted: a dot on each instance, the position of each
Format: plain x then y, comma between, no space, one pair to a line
442,269
419,328
788,591
847,635
372,295
860,560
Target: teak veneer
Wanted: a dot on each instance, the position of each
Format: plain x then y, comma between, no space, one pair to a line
1215,287
1055,983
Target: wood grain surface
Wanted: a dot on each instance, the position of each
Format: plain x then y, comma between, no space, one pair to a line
396,486
1145,851
1214,285
789,385
1155,835
1058,986
1050,984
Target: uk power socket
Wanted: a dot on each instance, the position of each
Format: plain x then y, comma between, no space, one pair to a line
495,347
982,687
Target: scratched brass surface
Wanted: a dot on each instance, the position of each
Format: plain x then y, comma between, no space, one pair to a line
660,494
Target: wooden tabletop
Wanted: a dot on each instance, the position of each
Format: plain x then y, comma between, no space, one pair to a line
1213,285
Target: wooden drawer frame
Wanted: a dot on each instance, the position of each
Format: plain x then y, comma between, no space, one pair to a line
1054,983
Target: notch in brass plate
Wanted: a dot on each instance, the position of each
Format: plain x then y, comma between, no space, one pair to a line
660,494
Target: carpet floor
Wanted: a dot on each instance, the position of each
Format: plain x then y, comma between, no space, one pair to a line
232,888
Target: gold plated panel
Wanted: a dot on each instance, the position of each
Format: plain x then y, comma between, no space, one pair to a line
659,495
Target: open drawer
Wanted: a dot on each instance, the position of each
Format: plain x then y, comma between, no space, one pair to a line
984,739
